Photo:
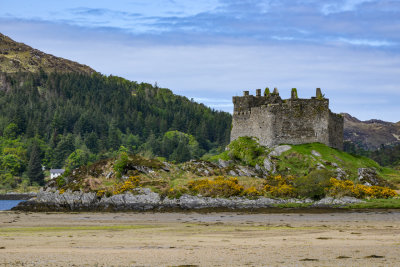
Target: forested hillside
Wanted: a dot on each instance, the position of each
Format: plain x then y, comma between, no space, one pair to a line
386,155
70,119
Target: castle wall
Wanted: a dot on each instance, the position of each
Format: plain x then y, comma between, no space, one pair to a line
336,130
291,121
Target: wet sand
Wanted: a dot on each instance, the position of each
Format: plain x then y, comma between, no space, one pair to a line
196,239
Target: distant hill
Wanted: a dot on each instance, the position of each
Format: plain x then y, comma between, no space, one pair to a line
72,116
19,57
371,134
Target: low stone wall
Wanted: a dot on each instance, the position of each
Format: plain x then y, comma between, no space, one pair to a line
145,200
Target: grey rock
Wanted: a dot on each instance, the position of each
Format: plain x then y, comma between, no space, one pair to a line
246,171
329,201
232,173
340,174
166,166
279,150
315,153
320,166
108,176
268,165
143,169
224,163
335,165
368,176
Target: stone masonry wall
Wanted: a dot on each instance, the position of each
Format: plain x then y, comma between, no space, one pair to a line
292,121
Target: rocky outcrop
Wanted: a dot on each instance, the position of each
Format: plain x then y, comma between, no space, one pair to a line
144,199
207,168
368,176
279,150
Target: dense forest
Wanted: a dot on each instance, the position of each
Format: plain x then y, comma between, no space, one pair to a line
388,155
67,119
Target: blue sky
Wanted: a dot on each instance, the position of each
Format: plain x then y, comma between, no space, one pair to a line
213,49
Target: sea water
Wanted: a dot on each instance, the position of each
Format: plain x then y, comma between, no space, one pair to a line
8,204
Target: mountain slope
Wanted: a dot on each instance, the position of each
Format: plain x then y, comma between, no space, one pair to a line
18,57
371,134
75,116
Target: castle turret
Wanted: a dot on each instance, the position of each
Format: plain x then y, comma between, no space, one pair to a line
245,93
318,94
258,92
267,92
294,94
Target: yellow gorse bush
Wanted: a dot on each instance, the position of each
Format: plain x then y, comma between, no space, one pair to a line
219,187
100,193
280,186
128,185
252,192
348,188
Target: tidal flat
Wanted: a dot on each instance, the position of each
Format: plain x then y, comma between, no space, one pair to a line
362,238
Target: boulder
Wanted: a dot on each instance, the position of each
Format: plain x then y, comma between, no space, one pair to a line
340,174
246,171
224,163
232,173
315,153
279,150
320,166
268,165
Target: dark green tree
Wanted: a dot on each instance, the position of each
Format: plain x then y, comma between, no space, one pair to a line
35,172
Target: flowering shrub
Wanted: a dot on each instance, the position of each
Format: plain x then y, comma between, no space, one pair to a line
130,184
348,188
284,190
176,192
100,193
219,187
62,191
280,186
252,192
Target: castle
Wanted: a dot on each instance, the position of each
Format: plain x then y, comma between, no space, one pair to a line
290,121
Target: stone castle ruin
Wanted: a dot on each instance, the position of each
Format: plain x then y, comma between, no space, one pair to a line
275,121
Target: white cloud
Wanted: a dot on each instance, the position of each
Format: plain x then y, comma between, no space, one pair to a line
365,42
342,6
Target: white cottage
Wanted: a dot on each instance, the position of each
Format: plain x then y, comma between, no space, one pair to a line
56,172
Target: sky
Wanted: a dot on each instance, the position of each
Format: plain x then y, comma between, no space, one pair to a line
212,50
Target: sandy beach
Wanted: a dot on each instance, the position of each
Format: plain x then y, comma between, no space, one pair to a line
200,239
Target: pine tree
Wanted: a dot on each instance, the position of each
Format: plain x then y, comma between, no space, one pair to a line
35,172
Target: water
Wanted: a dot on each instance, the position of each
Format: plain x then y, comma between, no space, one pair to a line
8,204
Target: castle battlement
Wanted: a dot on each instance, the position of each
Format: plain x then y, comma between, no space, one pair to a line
275,121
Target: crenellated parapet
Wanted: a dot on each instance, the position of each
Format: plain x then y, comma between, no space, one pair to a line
291,121
246,102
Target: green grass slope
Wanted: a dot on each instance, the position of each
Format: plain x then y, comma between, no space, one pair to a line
300,160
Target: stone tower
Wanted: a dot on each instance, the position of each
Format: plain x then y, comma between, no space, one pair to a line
291,121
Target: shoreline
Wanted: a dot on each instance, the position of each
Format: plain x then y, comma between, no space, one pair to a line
144,199
17,196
